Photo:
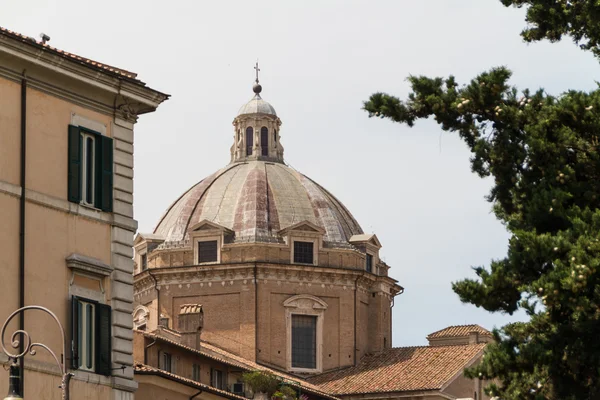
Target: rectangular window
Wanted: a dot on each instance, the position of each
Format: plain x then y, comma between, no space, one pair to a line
144,261
90,168
303,252
216,378
196,372
165,361
91,330
207,251
304,341
369,263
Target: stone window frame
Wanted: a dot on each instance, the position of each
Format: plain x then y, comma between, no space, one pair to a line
89,127
144,315
315,240
202,238
305,304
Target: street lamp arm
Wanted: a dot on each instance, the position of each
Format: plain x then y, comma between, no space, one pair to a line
29,346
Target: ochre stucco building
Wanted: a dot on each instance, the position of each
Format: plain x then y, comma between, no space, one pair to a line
66,232
281,277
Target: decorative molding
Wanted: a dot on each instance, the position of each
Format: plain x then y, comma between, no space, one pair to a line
88,264
68,207
305,301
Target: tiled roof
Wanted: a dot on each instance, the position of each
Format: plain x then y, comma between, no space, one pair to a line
458,331
400,369
72,57
144,369
216,353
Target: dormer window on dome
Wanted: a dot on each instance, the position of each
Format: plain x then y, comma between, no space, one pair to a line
257,118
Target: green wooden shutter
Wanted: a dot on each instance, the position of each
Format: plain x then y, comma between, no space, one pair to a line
75,314
103,342
74,177
104,173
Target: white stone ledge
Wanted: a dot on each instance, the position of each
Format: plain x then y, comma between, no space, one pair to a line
88,264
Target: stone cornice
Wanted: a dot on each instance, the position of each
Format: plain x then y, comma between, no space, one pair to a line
243,273
128,97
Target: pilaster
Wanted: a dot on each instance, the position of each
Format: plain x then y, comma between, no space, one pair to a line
122,252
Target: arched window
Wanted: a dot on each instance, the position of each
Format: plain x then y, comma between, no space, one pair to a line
264,140
275,136
249,140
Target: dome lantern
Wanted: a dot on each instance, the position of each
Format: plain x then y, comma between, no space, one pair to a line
256,130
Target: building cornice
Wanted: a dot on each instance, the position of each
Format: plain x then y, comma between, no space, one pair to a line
128,97
230,275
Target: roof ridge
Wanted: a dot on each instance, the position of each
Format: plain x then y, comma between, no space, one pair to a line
448,329
71,56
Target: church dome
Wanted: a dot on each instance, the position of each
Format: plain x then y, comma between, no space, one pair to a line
256,200
257,106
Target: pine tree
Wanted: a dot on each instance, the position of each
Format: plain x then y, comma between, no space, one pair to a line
543,154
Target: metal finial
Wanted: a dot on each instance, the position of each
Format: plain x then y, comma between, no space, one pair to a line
257,88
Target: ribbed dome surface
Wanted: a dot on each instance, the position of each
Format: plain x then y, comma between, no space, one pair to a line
257,199
257,106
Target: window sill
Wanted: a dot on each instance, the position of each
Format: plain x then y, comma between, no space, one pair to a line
88,264
304,370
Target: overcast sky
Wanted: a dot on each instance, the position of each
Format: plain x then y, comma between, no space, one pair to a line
319,61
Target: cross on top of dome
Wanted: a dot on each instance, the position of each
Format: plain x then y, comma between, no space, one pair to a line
257,88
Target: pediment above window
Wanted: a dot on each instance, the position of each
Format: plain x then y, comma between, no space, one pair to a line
305,302
147,237
370,239
303,226
206,225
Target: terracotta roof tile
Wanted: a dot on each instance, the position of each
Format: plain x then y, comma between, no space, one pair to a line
73,57
458,331
400,369
146,369
216,353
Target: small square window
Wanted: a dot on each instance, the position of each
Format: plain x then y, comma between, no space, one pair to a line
144,261
207,251
369,263
303,252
